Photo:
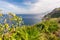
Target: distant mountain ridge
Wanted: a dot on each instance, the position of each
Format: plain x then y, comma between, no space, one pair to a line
54,14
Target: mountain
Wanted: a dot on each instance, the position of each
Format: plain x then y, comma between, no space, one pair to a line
54,14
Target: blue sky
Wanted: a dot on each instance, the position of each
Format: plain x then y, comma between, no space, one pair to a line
19,2
29,6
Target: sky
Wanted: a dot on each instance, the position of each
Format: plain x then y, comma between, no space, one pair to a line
28,6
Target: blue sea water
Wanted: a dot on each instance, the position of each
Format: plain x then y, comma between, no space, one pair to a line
28,19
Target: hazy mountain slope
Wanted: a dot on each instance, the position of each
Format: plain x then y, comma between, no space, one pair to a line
54,14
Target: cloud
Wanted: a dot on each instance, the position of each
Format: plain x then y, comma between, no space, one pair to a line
39,6
45,5
8,7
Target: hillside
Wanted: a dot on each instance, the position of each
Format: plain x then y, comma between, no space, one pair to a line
54,14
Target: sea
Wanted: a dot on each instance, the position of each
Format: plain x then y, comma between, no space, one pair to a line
28,19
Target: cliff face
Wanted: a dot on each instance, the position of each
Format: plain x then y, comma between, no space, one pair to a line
54,14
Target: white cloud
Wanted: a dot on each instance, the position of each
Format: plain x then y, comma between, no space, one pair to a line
45,5
38,7
7,7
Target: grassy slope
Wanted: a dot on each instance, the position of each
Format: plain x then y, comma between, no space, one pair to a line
46,30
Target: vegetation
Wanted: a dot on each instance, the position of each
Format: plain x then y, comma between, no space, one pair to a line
45,30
